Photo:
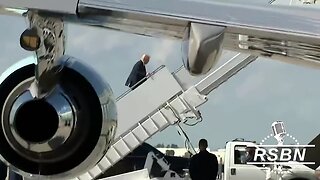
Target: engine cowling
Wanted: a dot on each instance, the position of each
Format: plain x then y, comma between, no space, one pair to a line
202,47
63,134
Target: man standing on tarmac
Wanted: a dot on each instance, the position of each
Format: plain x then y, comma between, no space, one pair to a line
204,165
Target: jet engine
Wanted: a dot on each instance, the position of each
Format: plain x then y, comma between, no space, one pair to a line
202,47
62,134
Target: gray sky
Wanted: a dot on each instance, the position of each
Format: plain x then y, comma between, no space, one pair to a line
244,107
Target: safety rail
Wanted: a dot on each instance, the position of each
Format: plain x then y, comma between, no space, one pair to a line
137,124
158,109
138,83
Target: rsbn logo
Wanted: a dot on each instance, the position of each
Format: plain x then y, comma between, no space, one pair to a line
279,154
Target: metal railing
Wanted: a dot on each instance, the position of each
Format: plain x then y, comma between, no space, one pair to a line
138,83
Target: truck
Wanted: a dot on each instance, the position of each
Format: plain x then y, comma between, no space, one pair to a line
235,169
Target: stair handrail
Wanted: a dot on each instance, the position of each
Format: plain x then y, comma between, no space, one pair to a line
138,83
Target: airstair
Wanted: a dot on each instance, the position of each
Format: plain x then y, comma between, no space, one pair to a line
164,99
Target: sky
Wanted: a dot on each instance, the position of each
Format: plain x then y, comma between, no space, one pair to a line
243,107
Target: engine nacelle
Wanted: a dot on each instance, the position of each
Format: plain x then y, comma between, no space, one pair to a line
63,134
202,47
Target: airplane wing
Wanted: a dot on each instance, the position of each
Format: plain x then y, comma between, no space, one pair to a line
288,33
57,6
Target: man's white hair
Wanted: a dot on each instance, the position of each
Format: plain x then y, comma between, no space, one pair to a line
143,56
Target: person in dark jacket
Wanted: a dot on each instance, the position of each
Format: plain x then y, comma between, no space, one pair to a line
138,73
204,165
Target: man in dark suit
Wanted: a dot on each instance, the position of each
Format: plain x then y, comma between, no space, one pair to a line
138,73
204,165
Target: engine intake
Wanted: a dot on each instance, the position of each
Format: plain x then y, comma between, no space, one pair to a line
63,134
45,123
37,123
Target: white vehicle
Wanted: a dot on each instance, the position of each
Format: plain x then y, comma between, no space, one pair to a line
235,169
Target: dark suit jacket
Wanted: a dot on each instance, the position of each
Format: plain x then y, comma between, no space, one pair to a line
138,72
203,166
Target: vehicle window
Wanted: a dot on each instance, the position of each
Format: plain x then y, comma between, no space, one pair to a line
239,154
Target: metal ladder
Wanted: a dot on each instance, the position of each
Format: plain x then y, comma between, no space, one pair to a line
173,111
179,108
